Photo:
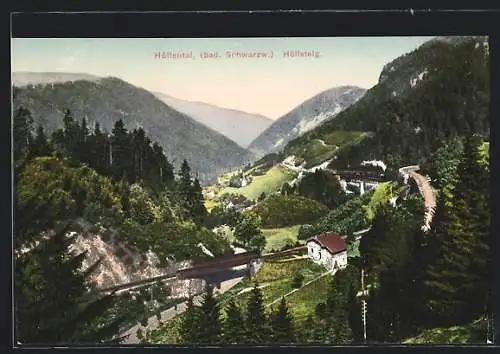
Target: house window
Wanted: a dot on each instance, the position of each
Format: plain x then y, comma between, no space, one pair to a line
317,255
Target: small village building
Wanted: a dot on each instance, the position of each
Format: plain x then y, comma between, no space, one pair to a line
329,250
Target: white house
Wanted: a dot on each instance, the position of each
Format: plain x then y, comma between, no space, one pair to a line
329,250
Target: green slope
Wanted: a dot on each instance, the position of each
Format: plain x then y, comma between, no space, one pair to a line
268,183
280,237
275,277
437,91
473,333
319,149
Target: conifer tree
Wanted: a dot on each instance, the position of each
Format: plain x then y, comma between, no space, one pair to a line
185,180
337,308
98,150
257,331
437,236
71,134
52,303
68,121
22,136
120,151
125,197
82,146
210,323
282,325
190,323
198,210
184,186
233,325
166,169
368,243
58,141
139,154
307,330
460,279
41,145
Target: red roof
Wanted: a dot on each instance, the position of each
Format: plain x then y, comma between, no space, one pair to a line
332,242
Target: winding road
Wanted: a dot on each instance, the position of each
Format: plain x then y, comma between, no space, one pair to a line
425,189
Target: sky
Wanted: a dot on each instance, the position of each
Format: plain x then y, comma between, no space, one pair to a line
270,86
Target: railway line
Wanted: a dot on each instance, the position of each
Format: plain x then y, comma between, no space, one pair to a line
205,268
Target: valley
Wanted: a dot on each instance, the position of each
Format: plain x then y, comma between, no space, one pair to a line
361,216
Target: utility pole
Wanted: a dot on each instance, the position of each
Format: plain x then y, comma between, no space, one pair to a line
488,329
110,154
363,303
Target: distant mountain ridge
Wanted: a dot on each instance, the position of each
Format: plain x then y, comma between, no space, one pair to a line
241,127
23,78
306,116
109,99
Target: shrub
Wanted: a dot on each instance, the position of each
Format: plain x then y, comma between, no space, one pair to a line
94,229
92,212
139,333
106,236
258,172
288,244
305,231
128,261
297,280
119,252
323,187
77,227
287,210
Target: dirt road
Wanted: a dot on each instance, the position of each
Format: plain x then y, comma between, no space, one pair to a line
427,192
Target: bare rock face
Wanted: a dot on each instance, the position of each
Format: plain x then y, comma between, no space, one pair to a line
120,264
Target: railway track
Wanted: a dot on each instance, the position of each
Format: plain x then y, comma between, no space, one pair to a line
202,268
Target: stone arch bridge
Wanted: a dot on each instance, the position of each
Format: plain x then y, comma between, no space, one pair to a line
213,271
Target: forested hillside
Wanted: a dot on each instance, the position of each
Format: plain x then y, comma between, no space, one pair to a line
308,115
110,99
122,185
438,91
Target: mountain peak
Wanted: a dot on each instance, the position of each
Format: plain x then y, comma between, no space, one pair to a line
306,116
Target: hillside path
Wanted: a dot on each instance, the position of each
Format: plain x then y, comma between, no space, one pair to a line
295,290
